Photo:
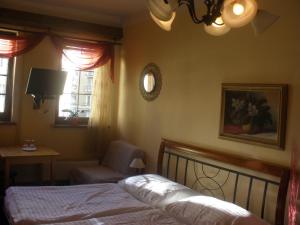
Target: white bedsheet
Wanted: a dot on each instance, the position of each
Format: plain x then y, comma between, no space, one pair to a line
146,217
46,205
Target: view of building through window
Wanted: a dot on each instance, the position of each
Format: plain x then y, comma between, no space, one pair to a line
4,70
77,91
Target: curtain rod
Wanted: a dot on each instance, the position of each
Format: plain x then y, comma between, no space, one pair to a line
48,32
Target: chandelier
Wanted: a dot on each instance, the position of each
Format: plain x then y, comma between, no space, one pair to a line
219,17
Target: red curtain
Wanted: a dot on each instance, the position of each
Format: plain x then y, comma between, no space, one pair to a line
11,46
294,187
85,55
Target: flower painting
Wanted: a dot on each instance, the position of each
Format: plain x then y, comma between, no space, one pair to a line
254,113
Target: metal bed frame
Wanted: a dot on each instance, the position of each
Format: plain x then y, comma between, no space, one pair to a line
189,153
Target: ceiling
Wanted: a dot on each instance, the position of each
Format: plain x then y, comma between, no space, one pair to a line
105,12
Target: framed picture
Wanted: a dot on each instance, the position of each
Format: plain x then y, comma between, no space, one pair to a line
254,113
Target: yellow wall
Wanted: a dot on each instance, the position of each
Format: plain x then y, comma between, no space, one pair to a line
193,66
8,135
72,143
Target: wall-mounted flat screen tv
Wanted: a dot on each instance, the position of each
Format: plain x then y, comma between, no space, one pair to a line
46,83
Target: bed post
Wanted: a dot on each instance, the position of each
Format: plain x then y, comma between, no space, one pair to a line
281,198
160,157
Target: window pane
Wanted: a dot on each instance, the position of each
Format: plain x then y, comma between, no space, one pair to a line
4,66
2,103
72,81
85,113
84,105
86,82
69,102
77,90
3,80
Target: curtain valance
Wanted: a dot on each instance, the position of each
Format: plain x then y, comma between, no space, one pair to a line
85,55
11,46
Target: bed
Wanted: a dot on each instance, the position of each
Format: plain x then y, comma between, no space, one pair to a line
151,199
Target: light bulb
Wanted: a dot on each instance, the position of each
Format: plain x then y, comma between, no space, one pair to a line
238,9
238,13
217,28
218,22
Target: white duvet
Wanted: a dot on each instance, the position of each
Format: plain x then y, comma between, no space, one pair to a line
145,217
51,204
121,204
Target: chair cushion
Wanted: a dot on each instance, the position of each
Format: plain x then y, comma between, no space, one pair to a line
119,156
95,174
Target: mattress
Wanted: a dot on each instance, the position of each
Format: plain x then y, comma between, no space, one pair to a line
51,204
146,217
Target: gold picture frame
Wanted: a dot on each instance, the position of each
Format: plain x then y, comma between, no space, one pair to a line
254,113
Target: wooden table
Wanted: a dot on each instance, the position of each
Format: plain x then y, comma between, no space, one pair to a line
15,155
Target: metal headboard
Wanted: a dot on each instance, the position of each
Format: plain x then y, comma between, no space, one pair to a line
189,153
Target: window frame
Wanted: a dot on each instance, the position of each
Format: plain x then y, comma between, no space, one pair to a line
82,121
7,114
63,121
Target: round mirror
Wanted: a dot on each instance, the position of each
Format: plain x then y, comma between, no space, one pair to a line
150,82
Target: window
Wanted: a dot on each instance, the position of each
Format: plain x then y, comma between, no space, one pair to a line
76,95
6,70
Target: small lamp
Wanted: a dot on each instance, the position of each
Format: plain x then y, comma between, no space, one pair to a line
138,164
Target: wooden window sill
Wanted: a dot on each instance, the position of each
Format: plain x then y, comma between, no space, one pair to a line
7,123
70,126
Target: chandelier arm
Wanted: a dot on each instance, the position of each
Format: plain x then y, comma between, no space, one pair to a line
213,10
191,7
216,11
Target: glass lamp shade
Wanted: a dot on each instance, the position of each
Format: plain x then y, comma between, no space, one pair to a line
238,13
262,21
160,10
137,163
165,25
217,28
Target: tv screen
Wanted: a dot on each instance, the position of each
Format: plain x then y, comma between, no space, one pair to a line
46,82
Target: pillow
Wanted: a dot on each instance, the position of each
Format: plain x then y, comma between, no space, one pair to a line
208,210
155,190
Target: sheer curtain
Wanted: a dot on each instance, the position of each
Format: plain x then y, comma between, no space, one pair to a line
85,55
11,45
100,57
101,114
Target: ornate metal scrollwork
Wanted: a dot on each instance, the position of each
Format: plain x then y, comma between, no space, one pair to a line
210,179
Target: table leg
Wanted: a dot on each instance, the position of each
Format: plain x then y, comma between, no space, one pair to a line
51,172
6,173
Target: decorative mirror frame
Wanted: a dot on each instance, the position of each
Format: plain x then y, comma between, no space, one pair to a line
154,69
